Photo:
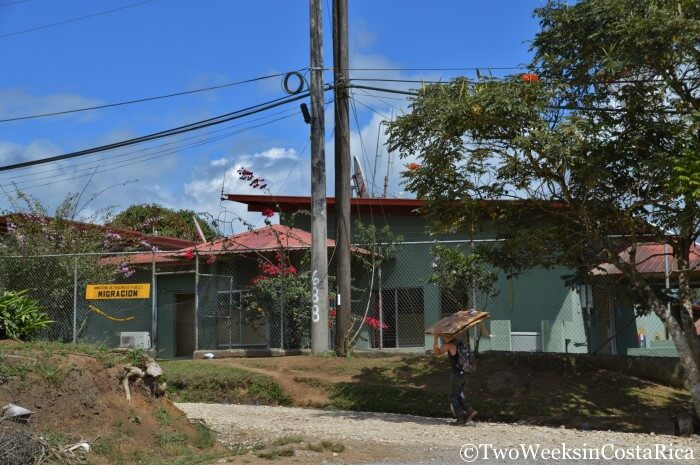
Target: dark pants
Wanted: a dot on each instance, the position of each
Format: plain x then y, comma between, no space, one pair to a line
457,399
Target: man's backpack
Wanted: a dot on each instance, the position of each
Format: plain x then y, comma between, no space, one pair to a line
466,359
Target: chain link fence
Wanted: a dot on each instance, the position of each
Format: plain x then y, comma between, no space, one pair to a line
261,300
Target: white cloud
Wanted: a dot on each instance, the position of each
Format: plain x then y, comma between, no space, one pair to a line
277,166
17,102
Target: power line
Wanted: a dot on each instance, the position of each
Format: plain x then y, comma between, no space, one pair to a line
60,23
170,132
471,68
592,81
74,165
551,107
145,99
153,155
141,159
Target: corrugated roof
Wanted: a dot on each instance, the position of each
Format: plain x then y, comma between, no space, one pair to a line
266,239
651,258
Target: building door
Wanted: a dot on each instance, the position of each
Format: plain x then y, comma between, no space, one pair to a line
184,325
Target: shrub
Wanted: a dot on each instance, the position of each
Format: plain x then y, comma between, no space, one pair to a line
21,318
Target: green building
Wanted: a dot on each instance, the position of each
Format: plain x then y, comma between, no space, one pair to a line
199,294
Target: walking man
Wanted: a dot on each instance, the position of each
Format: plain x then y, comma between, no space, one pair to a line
458,354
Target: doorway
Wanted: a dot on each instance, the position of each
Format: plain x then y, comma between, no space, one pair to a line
184,325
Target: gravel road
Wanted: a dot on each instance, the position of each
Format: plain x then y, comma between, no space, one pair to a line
391,438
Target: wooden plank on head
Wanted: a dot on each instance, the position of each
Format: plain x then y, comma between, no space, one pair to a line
457,322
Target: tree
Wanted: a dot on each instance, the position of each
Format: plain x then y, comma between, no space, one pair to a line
462,275
40,253
595,153
158,220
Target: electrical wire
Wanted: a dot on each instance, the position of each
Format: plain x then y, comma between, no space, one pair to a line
472,68
153,155
551,107
60,23
170,132
616,81
145,99
383,100
156,155
74,165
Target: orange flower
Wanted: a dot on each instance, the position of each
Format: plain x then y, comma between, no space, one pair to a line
413,166
530,77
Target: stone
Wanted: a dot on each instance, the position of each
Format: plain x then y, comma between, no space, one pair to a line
685,426
505,382
663,425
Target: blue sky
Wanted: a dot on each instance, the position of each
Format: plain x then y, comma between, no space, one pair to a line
165,46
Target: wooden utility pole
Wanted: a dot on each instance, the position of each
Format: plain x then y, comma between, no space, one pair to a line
319,250
341,65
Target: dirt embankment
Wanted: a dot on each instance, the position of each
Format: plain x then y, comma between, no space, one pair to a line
76,396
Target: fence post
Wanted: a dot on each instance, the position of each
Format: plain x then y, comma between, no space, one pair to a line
75,299
154,305
282,304
196,301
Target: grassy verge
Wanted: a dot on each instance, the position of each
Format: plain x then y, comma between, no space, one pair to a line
191,381
549,390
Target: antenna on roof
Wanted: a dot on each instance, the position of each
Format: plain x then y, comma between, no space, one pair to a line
198,228
359,180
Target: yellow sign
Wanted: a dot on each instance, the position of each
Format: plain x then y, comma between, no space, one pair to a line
117,291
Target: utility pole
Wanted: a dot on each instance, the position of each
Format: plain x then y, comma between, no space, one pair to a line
341,65
319,250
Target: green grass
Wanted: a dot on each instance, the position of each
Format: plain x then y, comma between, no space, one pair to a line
286,440
192,381
325,446
163,417
166,438
276,452
11,368
390,398
52,373
204,436
62,350
56,439
312,382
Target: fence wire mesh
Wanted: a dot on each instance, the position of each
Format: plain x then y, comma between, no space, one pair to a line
262,300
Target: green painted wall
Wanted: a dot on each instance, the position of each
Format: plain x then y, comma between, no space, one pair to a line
536,301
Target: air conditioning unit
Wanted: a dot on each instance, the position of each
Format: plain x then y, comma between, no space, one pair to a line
135,339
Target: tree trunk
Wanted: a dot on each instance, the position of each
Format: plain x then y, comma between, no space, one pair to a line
689,359
684,313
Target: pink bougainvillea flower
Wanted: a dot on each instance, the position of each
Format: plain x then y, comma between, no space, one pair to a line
268,212
375,323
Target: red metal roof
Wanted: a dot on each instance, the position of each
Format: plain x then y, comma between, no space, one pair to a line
651,258
266,239
288,203
403,207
